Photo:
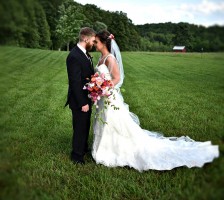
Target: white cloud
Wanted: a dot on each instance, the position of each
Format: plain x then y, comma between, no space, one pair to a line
202,12
156,14
205,7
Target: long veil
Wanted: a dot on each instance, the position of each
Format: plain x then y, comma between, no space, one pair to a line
117,54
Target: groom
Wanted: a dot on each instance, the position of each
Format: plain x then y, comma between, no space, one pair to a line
79,69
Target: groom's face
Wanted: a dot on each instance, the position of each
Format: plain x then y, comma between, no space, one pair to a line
90,43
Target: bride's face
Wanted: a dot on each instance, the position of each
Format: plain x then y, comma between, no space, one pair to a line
98,44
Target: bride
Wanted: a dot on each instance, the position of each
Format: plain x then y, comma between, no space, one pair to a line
122,142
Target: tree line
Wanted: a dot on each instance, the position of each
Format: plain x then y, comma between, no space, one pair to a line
54,24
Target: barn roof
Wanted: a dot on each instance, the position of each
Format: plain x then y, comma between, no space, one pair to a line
178,47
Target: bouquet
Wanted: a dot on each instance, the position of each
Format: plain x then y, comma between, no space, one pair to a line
100,87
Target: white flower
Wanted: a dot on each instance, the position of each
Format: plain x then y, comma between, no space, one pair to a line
91,85
106,92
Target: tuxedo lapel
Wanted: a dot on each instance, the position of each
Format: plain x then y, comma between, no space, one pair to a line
83,55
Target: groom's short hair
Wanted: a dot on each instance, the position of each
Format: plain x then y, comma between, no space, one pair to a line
86,32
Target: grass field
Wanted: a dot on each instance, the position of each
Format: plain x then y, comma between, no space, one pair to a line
176,94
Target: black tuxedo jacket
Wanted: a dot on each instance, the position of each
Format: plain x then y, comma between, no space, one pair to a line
79,69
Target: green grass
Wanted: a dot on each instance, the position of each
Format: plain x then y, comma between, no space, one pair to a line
176,94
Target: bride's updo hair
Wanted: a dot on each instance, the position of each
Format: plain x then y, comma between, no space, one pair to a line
105,38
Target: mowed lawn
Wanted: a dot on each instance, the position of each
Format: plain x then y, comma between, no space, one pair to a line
175,94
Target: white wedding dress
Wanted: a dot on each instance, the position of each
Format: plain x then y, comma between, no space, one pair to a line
122,142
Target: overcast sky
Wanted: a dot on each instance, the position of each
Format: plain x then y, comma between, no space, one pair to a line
203,12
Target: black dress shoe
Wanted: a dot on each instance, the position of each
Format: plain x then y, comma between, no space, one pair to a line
78,162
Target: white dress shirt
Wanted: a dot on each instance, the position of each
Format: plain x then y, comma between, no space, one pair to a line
82,49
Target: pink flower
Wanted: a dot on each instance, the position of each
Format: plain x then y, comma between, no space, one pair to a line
98,87
111,36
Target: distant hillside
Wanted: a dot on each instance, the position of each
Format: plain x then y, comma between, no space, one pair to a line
54,24
194,37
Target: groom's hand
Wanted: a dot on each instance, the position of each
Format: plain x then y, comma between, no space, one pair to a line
85,108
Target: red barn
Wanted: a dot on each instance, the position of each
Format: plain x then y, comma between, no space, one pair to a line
179,49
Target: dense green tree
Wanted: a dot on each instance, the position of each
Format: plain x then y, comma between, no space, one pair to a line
92,13
125,33
43,27
183,35
145,44
12,22
52,15
118,28
193,36
23,24
69,23
117,23
98,26
31,34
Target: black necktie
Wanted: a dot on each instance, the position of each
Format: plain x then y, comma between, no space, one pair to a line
90,58
88,55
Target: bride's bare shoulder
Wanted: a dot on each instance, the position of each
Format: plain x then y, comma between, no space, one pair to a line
110,59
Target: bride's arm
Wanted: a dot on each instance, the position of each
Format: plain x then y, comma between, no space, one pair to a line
112,65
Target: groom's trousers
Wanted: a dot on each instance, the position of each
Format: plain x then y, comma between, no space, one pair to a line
81,127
